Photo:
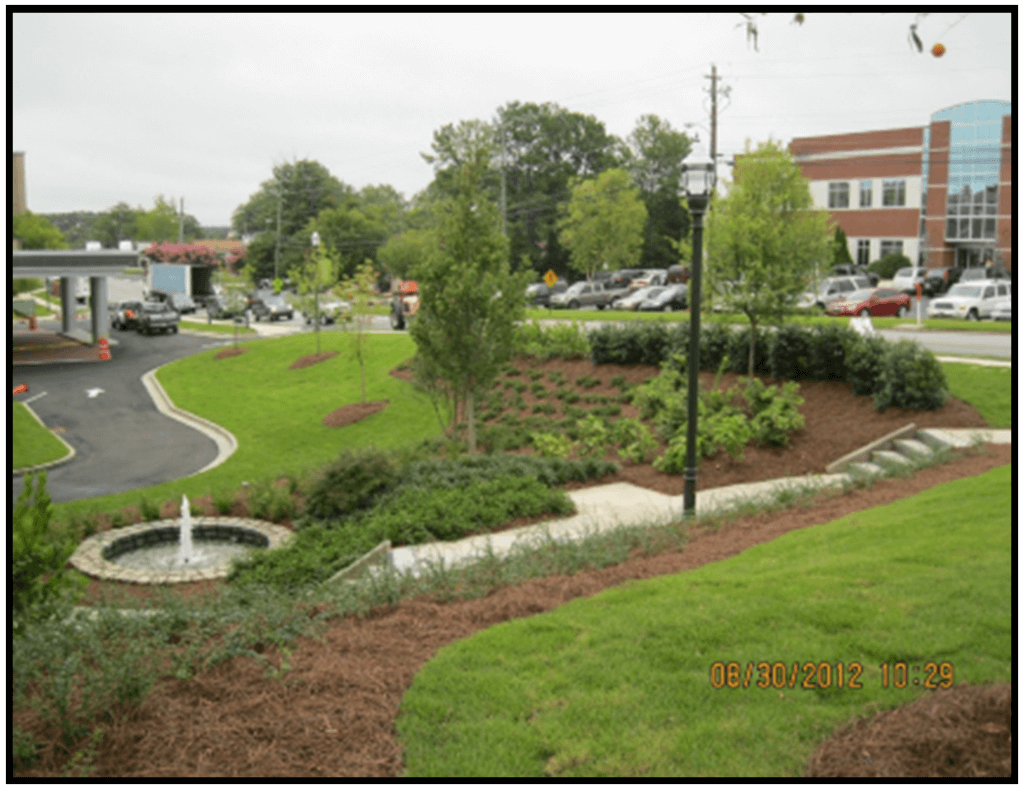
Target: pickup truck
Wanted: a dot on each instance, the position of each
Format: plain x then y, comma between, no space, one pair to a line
596,293
157,317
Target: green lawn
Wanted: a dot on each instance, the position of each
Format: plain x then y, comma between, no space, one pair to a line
276,413
988,389
221,329
622,684
31,443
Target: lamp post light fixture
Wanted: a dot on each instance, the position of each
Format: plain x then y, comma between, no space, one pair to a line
698,181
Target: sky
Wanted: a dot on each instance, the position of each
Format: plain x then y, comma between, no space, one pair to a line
127,106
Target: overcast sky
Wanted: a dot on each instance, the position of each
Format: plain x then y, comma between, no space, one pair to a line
122,107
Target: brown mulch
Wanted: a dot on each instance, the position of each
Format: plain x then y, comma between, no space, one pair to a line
311,359
353,412
229,352
332,714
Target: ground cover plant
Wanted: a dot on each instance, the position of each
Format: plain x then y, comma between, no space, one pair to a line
609,685
31,443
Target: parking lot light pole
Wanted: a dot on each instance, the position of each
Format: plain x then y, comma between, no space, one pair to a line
698,183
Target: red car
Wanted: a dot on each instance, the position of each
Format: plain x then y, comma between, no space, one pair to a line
871,301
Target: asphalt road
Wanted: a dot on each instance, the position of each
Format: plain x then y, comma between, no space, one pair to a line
121,440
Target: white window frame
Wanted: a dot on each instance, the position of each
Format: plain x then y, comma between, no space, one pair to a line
894,190
837,189
866,190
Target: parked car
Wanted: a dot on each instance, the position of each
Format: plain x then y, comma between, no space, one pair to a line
984,273
852,270
331,311
539,294
125,315
971,300
621,278
158,317
272,308
1002,310
632,301
677,274
667,299
405,302
183,303
650,277
875,302
219,307
908,277
832,288
597,293
938,280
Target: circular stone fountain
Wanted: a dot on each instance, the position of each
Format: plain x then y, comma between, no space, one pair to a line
173,551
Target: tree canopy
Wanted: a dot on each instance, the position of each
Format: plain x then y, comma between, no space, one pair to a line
36,233
764,239
603,225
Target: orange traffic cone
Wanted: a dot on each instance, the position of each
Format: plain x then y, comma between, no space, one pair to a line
104,348
21,388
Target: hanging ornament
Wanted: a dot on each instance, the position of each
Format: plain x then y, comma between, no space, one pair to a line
938,50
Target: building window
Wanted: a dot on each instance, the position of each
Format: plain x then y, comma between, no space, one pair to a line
894,193
839,194
890,247
863,252
865,194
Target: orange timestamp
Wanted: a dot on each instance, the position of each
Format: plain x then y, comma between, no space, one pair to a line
823,674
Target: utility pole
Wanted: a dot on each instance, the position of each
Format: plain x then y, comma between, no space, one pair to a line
277,242
714,91
181,222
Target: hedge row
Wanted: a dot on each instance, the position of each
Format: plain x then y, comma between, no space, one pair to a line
903,374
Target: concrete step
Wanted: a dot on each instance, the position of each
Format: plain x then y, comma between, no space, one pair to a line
891,457
866,468
938,439
913,448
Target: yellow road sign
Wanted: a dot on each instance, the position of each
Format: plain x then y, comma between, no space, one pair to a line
550,278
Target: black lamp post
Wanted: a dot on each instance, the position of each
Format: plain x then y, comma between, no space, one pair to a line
698,182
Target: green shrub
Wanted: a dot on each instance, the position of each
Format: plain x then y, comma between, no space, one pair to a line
556,377
538,390
635,441
790,354
498,438
223,500
727,428
437,473
552,445
864,363
673,460
38,556
567,341
910,378
543,408
148,510
715,342
777,415
635,343
829,346
594,436
352,482
587,382
887,267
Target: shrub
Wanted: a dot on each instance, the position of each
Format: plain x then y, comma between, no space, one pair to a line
635,343
864,363
38,556
728,429
552,445
790,354
567,341
829,346
636,443
715,342
887,267
594,436
778,416
351,483
148,510
910,378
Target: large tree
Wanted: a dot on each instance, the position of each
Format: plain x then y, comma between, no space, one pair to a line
404,252
470,300
164,223
119,223
656,154
764,239
36,233
603,225
539,147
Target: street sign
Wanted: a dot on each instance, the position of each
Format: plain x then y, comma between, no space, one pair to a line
550,278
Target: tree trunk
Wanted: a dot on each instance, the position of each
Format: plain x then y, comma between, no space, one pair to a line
470,423
753,337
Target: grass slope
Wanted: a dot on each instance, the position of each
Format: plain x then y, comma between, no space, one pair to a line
619,684
987,389
31,443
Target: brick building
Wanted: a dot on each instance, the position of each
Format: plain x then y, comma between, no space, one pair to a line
940,194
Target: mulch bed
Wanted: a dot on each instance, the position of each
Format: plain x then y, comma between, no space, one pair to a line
312,359
229,352
353,412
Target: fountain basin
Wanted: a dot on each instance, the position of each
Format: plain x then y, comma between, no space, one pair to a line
123,554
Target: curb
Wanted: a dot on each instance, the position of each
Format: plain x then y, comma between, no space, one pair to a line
71,450
225,440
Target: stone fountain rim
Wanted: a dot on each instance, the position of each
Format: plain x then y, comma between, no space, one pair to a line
88,557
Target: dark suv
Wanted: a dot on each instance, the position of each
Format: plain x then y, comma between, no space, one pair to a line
938,280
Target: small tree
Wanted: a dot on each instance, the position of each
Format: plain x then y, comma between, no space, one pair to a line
316,275
470,300
358,291
234,292
764,239
603,225
840,250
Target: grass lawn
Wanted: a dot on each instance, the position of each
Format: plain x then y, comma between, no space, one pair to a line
987,389
31,443
221,329
276,413
621,684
